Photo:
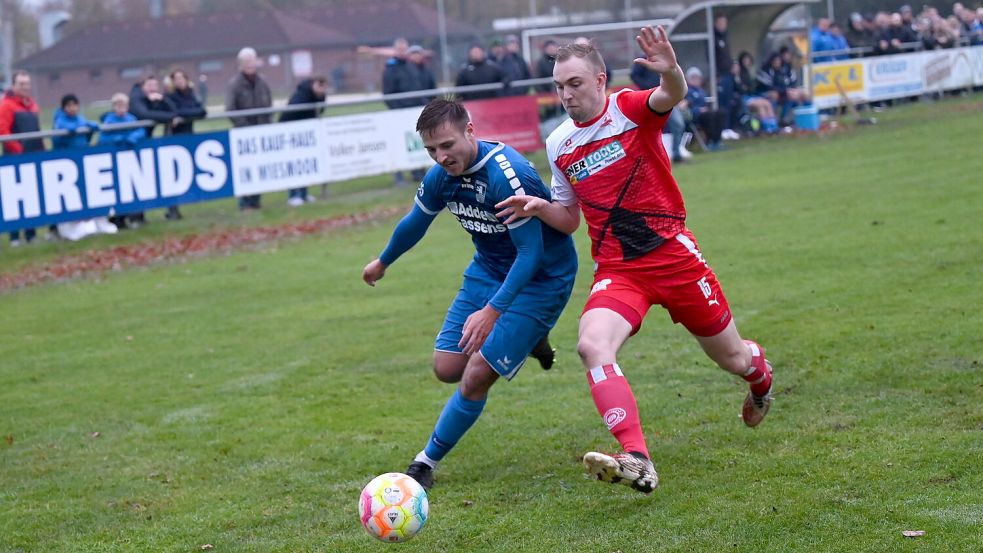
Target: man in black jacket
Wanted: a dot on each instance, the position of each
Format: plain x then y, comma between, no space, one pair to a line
309,91
400,76
514,67
148,103
479,70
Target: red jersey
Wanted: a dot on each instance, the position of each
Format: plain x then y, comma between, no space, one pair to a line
617,169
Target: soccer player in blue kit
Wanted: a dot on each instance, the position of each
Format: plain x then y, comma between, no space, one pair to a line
513,291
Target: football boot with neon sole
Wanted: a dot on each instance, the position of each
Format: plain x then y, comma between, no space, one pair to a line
631,469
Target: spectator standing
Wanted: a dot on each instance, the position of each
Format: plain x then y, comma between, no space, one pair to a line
838,42
202,89
479,70
819,40
857,33
248,90
121,138
417,57
308,91
120,113
725,78
147,102
401,75
189,109
514,67
69,118
19,114
646,79
544,66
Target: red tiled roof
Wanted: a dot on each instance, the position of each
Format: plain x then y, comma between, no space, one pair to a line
142,41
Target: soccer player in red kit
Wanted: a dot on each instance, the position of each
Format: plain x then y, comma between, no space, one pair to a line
608,161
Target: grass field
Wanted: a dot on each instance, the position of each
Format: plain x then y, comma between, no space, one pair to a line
243,400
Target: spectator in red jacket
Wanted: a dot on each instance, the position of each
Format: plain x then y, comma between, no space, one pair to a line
19,113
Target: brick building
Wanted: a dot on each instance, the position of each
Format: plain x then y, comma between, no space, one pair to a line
99,60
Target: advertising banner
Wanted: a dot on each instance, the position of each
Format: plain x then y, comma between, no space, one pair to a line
46,188
513,120
373,143
894,76
41,189
849,74
273,157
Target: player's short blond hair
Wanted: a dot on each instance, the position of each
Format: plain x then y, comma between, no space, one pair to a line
119,97
582,50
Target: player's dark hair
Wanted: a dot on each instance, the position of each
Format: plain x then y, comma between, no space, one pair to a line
69,99
582,50
440,111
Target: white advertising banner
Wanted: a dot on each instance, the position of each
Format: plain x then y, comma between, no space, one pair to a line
266,158
373,143
977,65
894,76
897,75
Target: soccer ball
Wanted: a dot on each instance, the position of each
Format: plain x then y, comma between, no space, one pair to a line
393,507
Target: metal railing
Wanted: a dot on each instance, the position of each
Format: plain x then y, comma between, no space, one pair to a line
368,99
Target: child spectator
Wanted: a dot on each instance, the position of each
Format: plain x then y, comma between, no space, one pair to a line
121,139
67,117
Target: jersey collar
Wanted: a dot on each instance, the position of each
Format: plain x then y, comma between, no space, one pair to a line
607,100
493,148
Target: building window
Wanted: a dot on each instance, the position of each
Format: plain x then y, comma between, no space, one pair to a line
131,73
210,66
95,75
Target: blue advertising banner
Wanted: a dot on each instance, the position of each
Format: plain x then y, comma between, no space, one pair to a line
41,189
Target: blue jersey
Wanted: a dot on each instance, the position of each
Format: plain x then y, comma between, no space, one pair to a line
498,173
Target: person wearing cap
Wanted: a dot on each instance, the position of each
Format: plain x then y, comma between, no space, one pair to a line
707,119
417,57
514,67
402,75
857,34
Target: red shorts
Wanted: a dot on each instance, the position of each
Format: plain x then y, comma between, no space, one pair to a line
675,276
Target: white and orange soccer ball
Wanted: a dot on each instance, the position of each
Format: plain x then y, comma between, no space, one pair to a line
393,507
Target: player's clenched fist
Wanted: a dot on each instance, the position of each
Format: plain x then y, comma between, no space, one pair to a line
373,272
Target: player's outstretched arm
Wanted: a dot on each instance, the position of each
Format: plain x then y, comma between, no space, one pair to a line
407,233
564,218
661,58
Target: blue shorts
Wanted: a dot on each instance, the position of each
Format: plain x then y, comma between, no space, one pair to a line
517,331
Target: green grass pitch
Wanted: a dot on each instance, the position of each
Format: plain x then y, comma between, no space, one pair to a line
243,400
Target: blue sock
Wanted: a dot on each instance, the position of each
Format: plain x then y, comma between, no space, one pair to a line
457,417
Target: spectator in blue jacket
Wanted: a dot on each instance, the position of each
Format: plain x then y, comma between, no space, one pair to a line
67,117
838,42
819,40
122,139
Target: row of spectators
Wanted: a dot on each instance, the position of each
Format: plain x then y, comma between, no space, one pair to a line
172,105
884,33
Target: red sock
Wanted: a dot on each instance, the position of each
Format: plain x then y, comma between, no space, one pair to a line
757,375
616,404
